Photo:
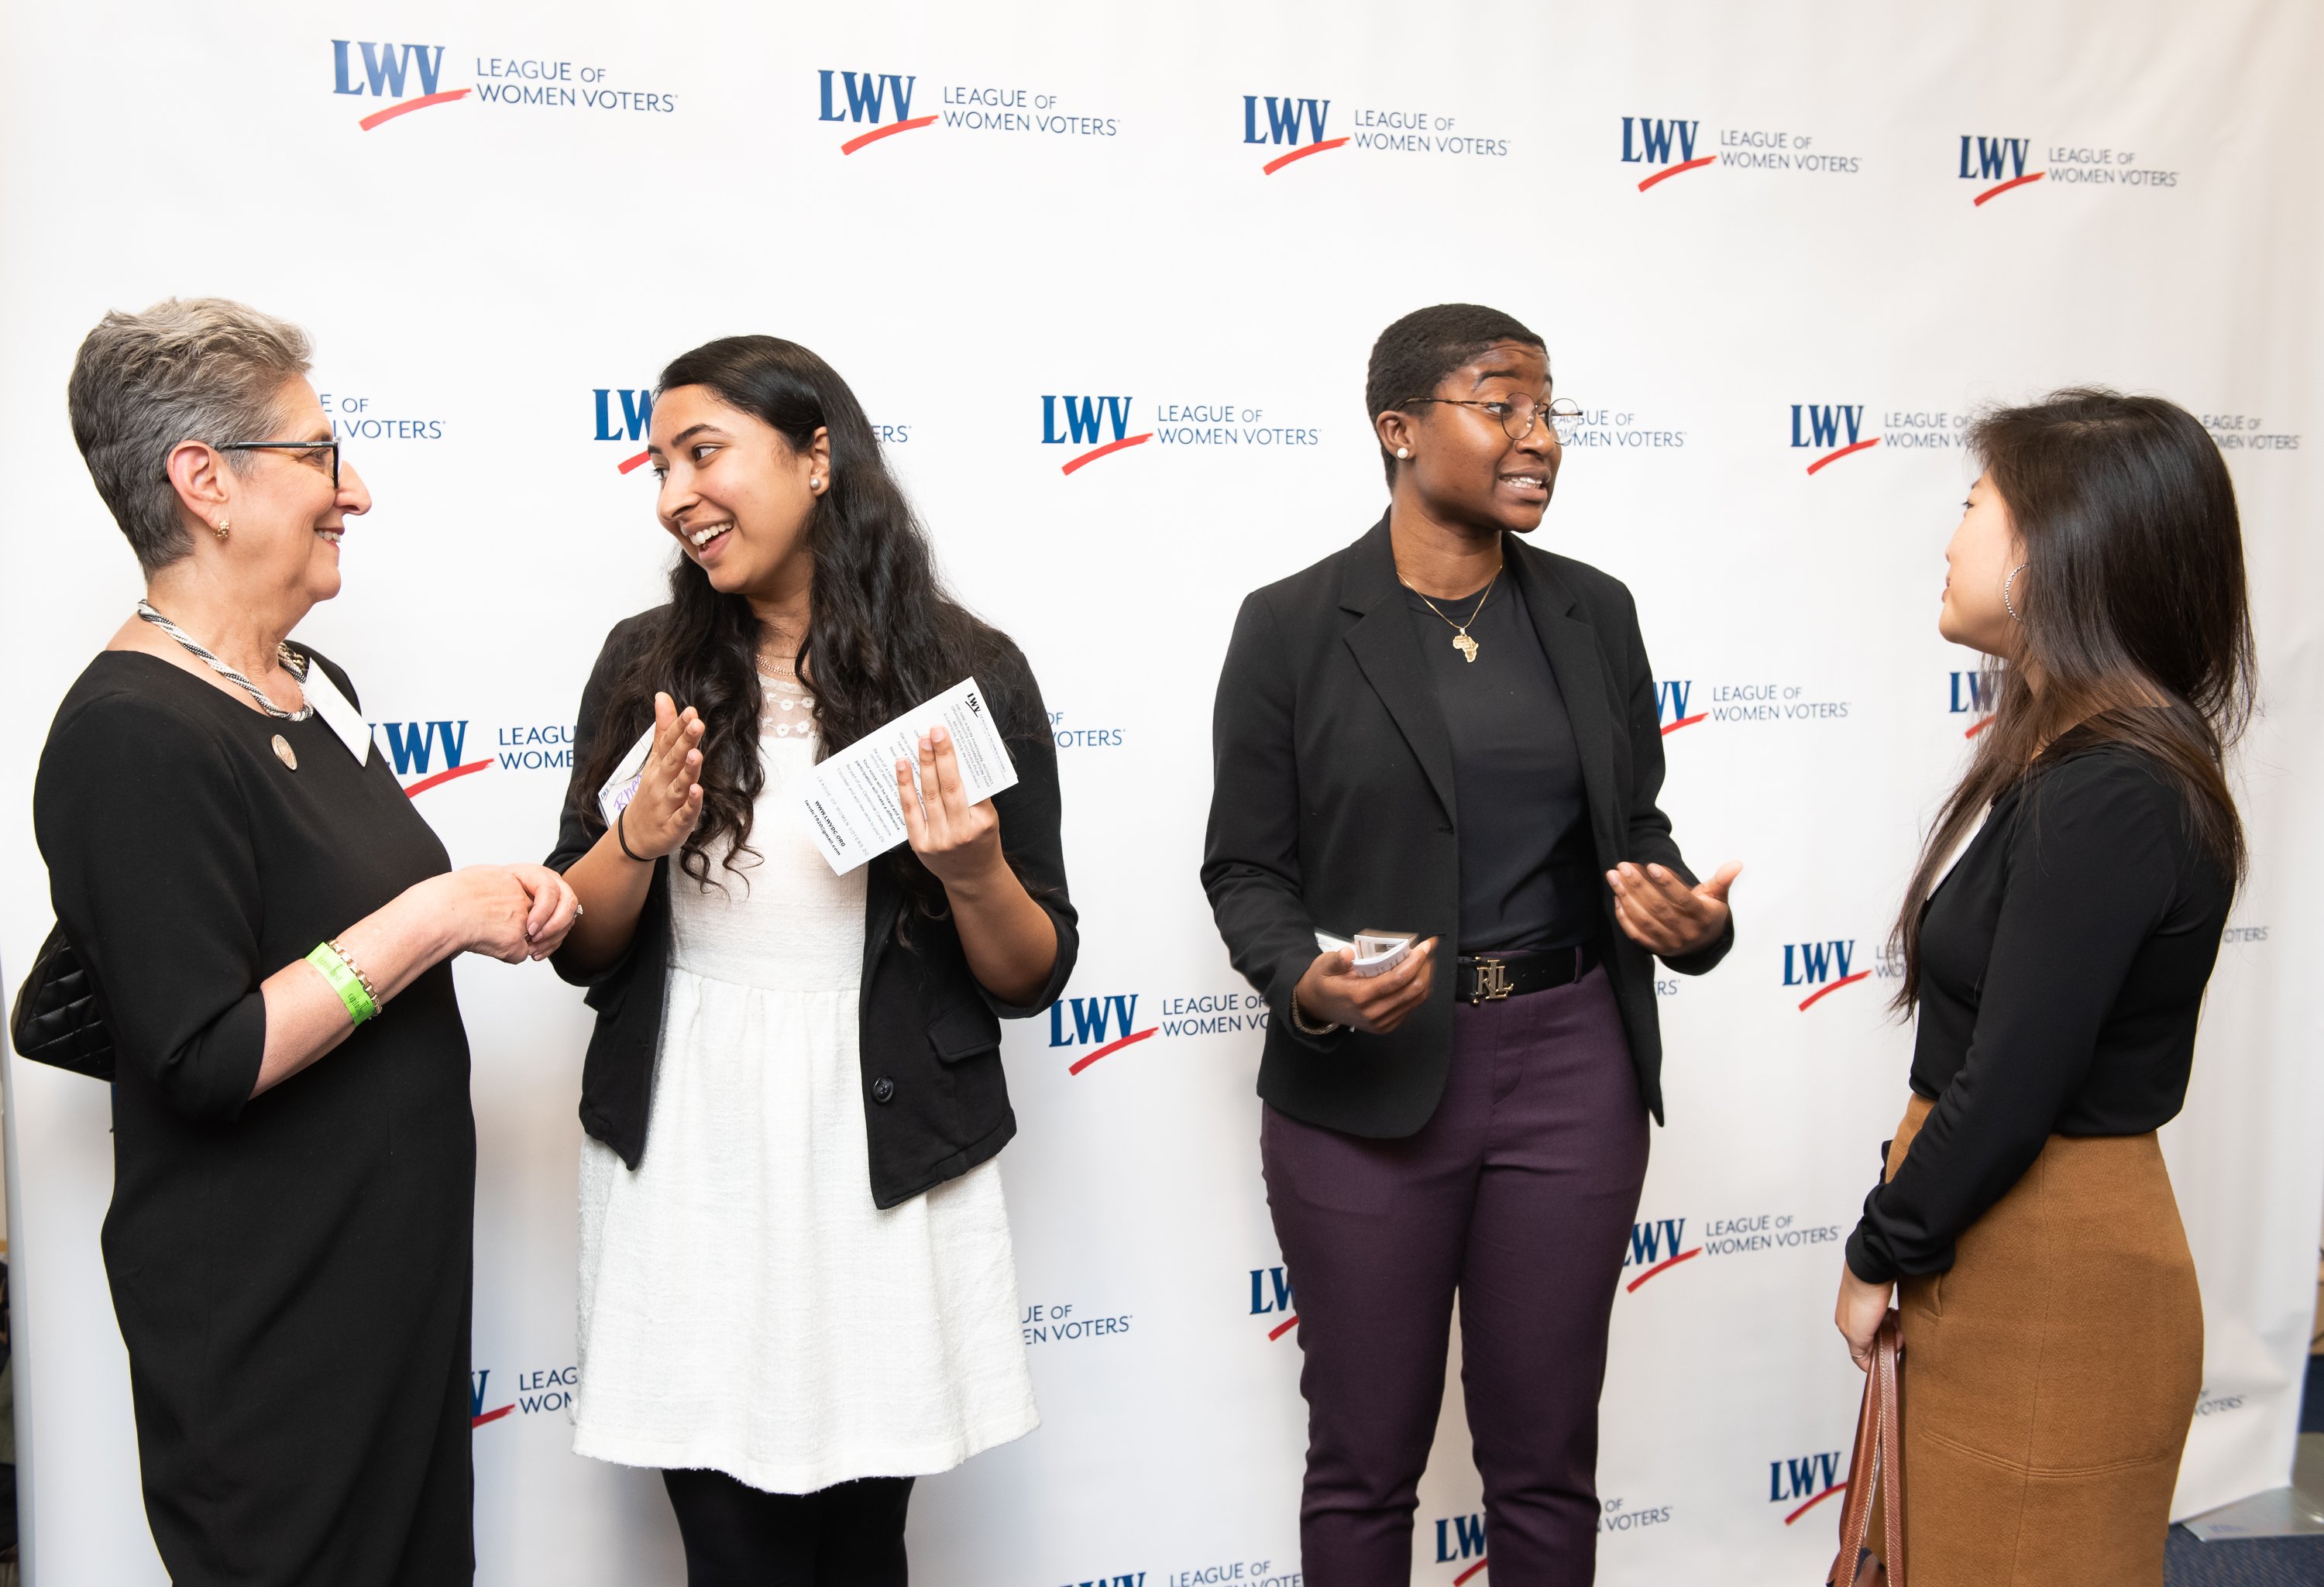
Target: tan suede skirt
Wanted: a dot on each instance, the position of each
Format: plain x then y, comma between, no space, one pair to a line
2049,1378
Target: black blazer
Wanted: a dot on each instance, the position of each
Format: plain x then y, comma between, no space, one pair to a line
1333,807
935,1101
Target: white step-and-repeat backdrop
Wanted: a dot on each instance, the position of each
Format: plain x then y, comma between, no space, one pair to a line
1106,277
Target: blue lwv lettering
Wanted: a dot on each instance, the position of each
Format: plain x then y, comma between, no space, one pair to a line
386,68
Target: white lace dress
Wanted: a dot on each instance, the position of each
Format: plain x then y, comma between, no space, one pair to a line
744,1306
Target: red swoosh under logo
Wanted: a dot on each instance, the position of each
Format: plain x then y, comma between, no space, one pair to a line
1844,451
1285,1326
629,463
1088,457
1280,160
425,783
445,97
1977,726
1812,1503
1472,1571
1663,176
1684,722
1683,1256
475,1422
1824,992
1112,1047
852,144
2019,182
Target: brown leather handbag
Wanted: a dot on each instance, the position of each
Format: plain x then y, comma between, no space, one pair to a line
1878,1467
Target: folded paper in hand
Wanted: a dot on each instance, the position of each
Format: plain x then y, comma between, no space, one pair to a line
849,801
1377,952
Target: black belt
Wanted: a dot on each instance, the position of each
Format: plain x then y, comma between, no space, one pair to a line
1488,978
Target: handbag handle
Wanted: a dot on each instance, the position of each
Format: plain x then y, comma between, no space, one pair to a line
1877,1464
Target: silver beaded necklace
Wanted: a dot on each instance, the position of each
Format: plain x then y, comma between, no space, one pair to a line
292,662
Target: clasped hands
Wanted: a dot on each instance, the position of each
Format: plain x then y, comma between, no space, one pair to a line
1653,904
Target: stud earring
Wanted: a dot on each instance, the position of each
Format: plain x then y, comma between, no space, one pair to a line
1403,451
220,527
815,483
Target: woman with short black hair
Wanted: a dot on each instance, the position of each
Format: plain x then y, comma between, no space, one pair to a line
798,1290
2053,1332
1440,730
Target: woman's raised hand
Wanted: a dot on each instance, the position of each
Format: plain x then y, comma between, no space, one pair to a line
1659,912
959,841
661,815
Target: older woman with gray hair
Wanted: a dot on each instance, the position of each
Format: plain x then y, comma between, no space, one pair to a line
271,926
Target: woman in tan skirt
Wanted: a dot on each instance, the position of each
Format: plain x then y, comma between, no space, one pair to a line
2053,1337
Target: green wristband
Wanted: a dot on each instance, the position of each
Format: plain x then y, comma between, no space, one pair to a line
344,980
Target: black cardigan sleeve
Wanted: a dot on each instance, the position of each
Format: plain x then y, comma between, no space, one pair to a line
581,823
155,877
1032,816
1250,862
2092,864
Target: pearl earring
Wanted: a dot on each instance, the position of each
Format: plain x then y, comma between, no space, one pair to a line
221,528
814,483
1403,451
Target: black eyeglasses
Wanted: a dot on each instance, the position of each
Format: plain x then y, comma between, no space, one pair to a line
331,447
1518,418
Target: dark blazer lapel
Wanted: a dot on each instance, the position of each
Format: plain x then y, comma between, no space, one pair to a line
1570,642
1388,653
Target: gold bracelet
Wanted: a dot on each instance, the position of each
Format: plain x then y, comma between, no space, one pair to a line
348,958
1301,1025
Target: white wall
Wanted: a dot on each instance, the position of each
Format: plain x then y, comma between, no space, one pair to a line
474,272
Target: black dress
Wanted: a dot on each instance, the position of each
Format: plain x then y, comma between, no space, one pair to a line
291,1271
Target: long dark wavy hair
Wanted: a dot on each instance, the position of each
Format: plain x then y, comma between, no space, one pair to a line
882,636
2136,622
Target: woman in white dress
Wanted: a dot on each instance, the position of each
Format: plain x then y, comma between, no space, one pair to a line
796,1288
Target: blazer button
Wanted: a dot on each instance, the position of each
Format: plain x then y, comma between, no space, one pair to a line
884,1090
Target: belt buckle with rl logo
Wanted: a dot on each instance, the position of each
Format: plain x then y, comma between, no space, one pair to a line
1492,983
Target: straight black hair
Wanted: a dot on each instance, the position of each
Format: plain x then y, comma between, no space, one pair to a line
2136,620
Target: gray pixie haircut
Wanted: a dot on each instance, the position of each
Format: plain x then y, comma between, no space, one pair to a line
188,369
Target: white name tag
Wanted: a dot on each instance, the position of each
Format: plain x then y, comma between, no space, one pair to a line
622,787
337,711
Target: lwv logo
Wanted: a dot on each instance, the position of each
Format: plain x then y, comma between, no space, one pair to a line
875,97
1460,1539
1102,1023
1650,139
360,67
1280,123
1836,426
1970,696
1654,1247
1813,1478
624,414
1670,705
1071,419
413,746
1999,160
1270,1294
1823,965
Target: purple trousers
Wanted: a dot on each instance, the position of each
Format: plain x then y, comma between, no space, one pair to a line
1518,1196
